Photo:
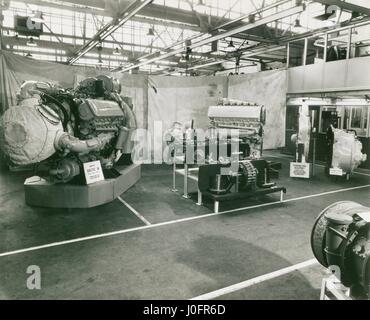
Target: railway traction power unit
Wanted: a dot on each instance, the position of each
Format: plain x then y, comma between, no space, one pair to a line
59,132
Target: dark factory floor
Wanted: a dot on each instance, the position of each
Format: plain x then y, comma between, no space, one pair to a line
154,244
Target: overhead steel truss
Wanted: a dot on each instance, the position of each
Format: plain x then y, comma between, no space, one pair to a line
109,28
218,30
260,22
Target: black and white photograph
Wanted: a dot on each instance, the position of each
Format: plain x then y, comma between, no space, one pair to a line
184,155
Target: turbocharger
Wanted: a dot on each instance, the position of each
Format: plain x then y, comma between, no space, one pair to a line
341,238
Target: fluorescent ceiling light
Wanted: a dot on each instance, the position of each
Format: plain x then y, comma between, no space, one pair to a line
150,33
230,47
116,52
297,26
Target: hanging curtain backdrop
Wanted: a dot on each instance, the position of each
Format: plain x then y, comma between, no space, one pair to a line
15,69
9,85
182,99
160,98
269,89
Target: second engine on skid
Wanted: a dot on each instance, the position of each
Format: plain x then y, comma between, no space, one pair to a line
61,129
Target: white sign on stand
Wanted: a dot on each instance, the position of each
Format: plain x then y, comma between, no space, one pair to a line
336,172
93,172
300,170
365,216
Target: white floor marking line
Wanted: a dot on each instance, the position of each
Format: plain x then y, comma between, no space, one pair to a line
256,280
107,234
134,212
60,243
361,173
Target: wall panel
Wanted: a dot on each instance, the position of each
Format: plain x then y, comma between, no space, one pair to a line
269,89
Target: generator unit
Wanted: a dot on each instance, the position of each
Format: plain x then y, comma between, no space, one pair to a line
344,152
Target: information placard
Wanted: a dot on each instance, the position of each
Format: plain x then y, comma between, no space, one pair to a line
300,170
93,172
365,216
336,172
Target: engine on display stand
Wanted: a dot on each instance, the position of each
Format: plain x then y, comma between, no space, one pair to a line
73,137
300,167
248,119
343,149
225,170
345,152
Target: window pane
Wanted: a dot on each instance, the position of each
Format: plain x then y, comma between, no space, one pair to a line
365,117
356,117
296,50
315,50
361,41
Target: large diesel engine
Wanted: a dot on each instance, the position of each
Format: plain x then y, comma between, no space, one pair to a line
61,129
246,117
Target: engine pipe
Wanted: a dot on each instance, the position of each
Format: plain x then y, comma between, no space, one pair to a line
66,143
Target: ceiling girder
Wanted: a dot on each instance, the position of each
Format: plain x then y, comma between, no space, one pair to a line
109,28
159,14
104,13
12,41
240,19
219,36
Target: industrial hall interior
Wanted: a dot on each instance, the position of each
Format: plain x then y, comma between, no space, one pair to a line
184,150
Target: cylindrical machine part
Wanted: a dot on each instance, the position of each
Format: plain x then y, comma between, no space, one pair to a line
318,235
66,142
124,134
300,152
99,88
27,132
65,170
131,125
341,238
336,232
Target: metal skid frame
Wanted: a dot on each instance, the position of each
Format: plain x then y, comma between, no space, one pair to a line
216,204
335,287
186,175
